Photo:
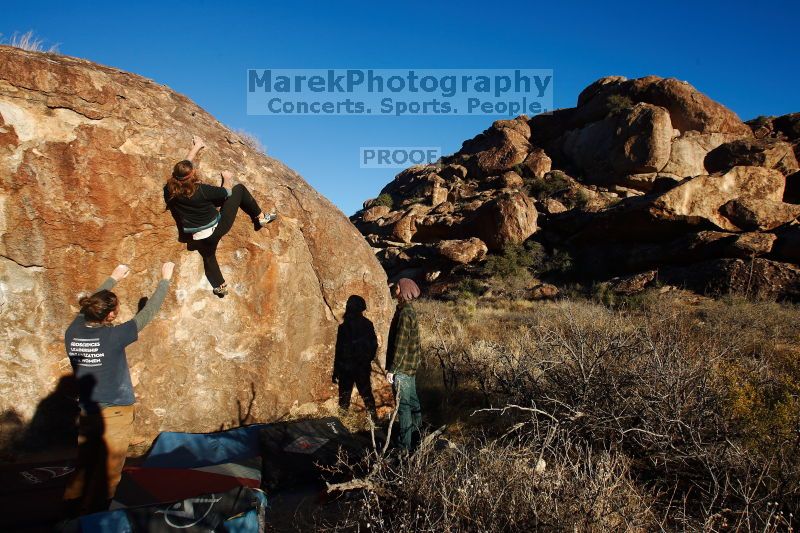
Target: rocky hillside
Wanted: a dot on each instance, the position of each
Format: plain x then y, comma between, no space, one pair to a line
84,153
644,181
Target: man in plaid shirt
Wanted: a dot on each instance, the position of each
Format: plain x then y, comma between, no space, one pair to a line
402,360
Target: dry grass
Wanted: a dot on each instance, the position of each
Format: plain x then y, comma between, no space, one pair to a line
251,141
501,485
670,416
30,42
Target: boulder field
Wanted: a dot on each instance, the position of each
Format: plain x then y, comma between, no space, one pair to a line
84,153
644,179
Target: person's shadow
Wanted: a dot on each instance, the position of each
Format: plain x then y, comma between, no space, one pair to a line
356,347
57,448
53,425
87,488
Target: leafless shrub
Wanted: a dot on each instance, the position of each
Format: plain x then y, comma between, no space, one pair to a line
667,416
251,141
520,483
705,403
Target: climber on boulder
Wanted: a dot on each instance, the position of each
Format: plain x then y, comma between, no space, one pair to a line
96,350
207,212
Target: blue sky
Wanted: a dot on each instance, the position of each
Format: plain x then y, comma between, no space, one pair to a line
742,54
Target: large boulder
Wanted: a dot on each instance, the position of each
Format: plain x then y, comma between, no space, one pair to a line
688,153
689,109
501,147
756,278
375,213
537,163
784,127
85,153
636,140
756,214
463,251
692,205
769,153
698,200
508,219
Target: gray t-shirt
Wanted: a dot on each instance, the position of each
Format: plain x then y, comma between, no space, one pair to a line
97,355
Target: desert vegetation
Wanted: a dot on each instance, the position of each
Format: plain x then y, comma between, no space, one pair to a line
677,413
29,41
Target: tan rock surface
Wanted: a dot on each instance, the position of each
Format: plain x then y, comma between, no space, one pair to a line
463,251
769,153
85,152
510,218
689,151
500,147
756,214
374,213
634,141
700,198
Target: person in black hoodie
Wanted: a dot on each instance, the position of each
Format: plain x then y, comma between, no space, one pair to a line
207,212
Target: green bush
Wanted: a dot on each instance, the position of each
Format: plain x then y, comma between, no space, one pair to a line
385,199
558,262
582,198
552,183
617,103
469,288
514,261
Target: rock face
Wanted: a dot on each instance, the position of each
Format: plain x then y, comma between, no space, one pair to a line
463,252
699,199
643,180
769,153
507,219
85,152
636,140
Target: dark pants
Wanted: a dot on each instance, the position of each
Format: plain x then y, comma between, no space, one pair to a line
361,380
240,198
409,411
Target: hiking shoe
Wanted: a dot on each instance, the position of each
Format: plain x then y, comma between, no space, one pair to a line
221,291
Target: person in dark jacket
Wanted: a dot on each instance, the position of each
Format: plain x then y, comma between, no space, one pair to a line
356,346
206,213
402,360
96,350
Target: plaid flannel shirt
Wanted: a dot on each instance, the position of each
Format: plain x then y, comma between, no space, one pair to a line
404,346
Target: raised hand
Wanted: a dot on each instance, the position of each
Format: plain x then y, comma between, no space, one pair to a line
197,143
120,272
167,269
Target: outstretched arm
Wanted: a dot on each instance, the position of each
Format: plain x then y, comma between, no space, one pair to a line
153,304
118,274
197,145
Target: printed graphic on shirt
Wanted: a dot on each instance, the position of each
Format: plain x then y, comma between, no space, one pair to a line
86,352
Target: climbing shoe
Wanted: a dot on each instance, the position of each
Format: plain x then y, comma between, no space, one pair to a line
267,218
221,291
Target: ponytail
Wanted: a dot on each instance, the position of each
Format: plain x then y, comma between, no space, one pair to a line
98,306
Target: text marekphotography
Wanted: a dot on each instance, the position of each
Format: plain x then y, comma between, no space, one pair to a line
399,92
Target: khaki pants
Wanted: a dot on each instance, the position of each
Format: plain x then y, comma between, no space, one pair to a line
103,440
